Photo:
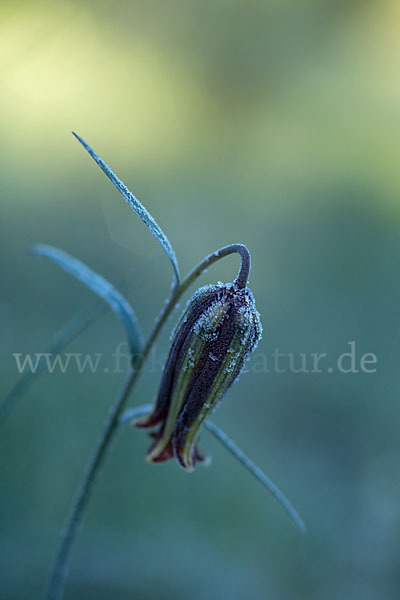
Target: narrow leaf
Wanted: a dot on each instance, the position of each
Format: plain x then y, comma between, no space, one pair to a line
137,206
100,286
230,445
134,413
257,472
75,326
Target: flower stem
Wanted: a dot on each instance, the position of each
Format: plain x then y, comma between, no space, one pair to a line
59,572
58,575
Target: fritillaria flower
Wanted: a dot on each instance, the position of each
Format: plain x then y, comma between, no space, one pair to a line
214,337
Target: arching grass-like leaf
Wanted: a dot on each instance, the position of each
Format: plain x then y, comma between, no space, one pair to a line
75,326
256,472
137,207
237,453
100,286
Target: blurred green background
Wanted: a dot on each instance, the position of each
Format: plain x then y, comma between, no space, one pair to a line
271,123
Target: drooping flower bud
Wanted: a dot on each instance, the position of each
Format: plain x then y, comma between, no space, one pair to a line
214,337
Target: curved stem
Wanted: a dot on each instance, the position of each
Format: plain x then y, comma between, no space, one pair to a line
111,425
245,264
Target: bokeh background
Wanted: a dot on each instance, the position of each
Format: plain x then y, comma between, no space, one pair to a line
273,123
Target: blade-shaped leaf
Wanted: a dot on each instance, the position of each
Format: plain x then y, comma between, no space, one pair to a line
257,472
237,453
134,413
100,286
137,206
75,326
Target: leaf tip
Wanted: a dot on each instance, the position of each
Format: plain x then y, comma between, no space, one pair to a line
80,140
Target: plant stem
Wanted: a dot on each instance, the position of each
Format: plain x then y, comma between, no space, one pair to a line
84,491
58,575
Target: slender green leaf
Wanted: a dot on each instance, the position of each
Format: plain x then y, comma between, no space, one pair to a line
237,453
137,206
76,325
134,413
100,286
257,472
